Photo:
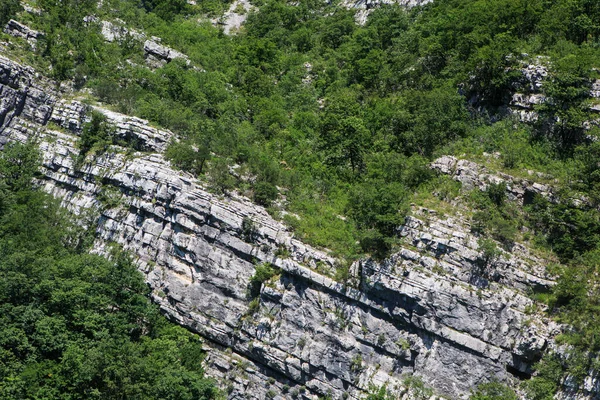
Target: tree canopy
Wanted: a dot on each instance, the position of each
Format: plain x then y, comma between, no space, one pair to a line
75,325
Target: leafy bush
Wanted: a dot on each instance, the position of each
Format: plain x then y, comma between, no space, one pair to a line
356,363
544,385
489,251
497,193
262,273
377,211
265,193
249,230
188,157
8,10
97,134
493,391
219,176
76,325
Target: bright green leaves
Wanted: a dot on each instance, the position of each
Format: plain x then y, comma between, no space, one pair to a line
18,166
75,325
345,143
344,138
378,209
188,156
566,110
166,9
423,121
96,135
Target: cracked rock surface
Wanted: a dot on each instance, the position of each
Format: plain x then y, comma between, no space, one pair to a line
425,311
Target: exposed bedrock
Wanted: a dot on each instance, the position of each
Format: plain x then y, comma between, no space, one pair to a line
429,310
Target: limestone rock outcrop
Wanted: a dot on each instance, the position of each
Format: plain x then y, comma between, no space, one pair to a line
18,29
473,175
529,91
117,31
364,7
158,55
429,310
235,16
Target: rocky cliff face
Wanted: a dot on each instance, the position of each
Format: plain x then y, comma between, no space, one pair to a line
529,93
364,7
433,309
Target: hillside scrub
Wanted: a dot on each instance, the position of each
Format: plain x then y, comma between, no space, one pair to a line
337,122
75,325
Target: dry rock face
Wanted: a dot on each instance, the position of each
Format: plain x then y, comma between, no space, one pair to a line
530,93
118,31
155,53
158,55
364,7
234,18
473,175
17,29
430,310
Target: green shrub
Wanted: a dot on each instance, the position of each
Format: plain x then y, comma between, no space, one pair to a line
8,10
254,305
379,393
489,251
497,193
545,384
493,391
249,230
188,157
219,177
418,388
356,363
97,134
262,273
265,193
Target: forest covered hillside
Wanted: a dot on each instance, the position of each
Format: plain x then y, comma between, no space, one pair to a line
453,143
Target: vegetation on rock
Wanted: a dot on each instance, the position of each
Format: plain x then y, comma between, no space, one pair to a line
336,120
76,325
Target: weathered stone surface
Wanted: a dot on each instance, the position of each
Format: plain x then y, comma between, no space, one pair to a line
446,246
158,55
232,20
529,91
18,29
476,176
118,31
420,312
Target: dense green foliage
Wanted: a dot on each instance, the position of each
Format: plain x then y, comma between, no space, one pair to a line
493,391
8,10
338,117
340,120
74,325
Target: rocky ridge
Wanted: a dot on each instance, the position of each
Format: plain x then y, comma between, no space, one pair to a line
475,176
364,7
235,16
529,93
20,30
428,310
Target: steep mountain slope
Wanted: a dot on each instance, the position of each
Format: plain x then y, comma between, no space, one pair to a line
429,189
424,311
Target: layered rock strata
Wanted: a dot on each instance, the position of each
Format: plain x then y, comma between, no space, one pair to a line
157,55
17,29
475,176
428,310
364,7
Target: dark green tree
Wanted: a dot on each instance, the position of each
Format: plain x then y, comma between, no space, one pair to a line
8,10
